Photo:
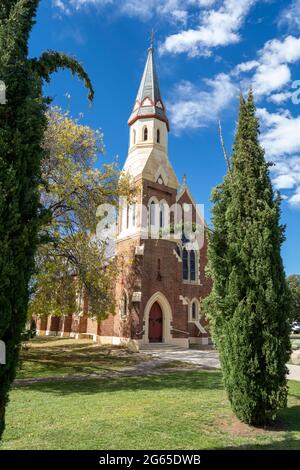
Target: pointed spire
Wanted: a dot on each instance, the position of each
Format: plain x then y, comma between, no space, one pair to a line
148,102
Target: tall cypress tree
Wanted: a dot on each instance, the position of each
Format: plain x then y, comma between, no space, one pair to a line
250,303
22,126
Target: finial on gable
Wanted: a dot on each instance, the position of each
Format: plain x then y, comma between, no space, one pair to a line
184,179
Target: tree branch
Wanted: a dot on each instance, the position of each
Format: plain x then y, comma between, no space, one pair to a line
51,61
224,148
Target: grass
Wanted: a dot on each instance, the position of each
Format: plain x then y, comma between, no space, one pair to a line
170,410
50,356
182,410
295,342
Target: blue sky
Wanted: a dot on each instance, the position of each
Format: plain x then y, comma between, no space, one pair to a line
206,51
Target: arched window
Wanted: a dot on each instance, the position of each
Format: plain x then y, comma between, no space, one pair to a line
152,213
194,310
185,264
129,214
189,265
145,134
134,136
124,304
192,266
158,136
161,216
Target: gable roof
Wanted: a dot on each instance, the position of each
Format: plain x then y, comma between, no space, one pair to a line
185,189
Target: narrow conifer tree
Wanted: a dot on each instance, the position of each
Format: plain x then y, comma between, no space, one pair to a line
249,306
22,126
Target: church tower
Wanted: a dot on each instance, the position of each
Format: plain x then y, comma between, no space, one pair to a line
148,131
153,300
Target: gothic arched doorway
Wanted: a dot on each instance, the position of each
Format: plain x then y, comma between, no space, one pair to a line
155,324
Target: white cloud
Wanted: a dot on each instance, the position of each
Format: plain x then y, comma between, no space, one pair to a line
291,15
245,67
295,199
218,27
272,67
279,98
281,134
278,52
78,4
273,72
269,73
284,181
170,10
281,139
62,6
194,108
267,78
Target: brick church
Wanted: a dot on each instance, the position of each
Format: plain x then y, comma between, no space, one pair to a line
161,278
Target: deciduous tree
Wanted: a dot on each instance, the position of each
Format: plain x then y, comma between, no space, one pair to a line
73,263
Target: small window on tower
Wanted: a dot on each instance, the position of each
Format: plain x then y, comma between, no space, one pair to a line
134,136
158,136
145,134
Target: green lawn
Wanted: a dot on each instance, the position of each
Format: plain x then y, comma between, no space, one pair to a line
295,342
178,410
182,410
46,356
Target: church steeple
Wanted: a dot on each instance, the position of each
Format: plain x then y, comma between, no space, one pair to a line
149,131
148,103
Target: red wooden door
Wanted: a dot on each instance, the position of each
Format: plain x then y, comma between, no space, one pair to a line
155,324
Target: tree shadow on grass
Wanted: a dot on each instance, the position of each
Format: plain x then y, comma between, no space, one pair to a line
77,352
73,359
288,443
184,381
287,423
51,343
